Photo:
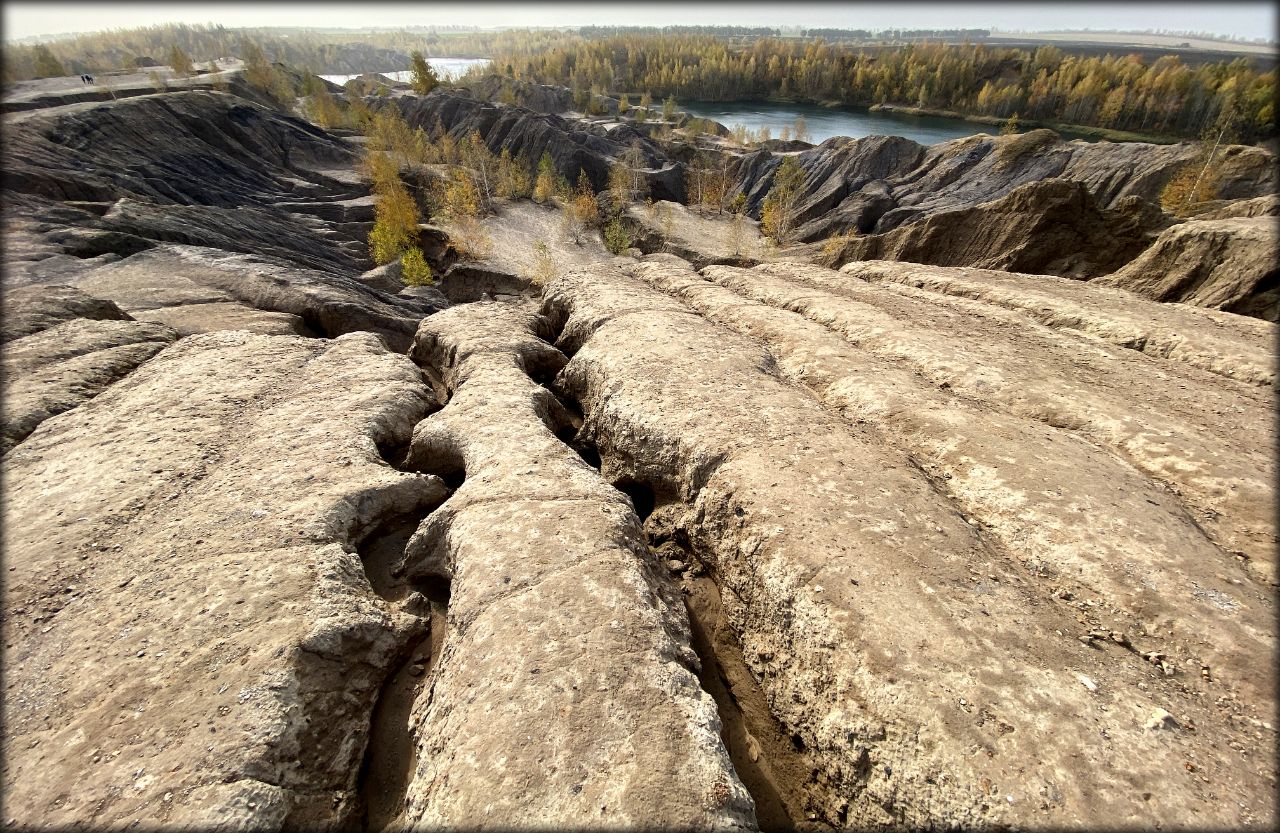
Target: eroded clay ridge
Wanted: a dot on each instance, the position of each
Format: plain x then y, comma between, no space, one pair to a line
1232,345
190,638
1208,439
940,654
565,696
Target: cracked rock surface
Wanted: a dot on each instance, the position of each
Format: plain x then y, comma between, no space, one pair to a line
912,610
190,637
1227,264
569,541
566,694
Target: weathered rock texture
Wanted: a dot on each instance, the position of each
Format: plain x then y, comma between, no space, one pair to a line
29,310
183,148
1051,227
702,238
61,348
722,548
201,289
877,184
1235,347
201,167
190,638
540,98
565,694
914,595
573,146
1228,264
59,368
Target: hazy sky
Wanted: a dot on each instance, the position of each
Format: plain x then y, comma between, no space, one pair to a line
1250,20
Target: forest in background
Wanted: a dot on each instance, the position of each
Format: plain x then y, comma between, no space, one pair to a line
1046,84
1049,84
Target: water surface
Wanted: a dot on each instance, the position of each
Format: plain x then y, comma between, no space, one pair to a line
449,69
825,122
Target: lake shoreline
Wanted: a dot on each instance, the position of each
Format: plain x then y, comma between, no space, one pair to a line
1068,131
1098,133
824,122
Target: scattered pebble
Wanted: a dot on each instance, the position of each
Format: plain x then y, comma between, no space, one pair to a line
1161,719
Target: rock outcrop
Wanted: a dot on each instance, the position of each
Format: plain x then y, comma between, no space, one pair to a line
1228,345
183,148
701,238
31,309
1227,264
191,640
540,98
199,167
206,285
1051,227
572,146
878,184
1014,612
59,368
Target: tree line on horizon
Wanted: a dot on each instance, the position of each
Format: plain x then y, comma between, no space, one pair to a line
1166,97
320,52
1046,85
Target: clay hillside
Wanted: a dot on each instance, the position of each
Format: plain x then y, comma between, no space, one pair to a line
472,460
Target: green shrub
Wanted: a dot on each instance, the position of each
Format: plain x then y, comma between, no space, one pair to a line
616,237
414,268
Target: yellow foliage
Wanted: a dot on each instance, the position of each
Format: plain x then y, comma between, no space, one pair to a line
459,197
395,227
616,237
544,187
542,268
414,268
513,177
1183,192
833,249
323,109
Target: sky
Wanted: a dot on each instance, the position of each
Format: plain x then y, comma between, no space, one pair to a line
1240,19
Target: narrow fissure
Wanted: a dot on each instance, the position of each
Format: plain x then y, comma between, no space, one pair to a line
390,755
571,433
766,759
769,761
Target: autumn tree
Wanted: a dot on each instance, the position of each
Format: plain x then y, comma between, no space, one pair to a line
46,65
778,210
617,239
581,211
513,177
627,182
395,226
669,108
802,133
264,76
414,270
475,155
544,187
180,62
424,78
